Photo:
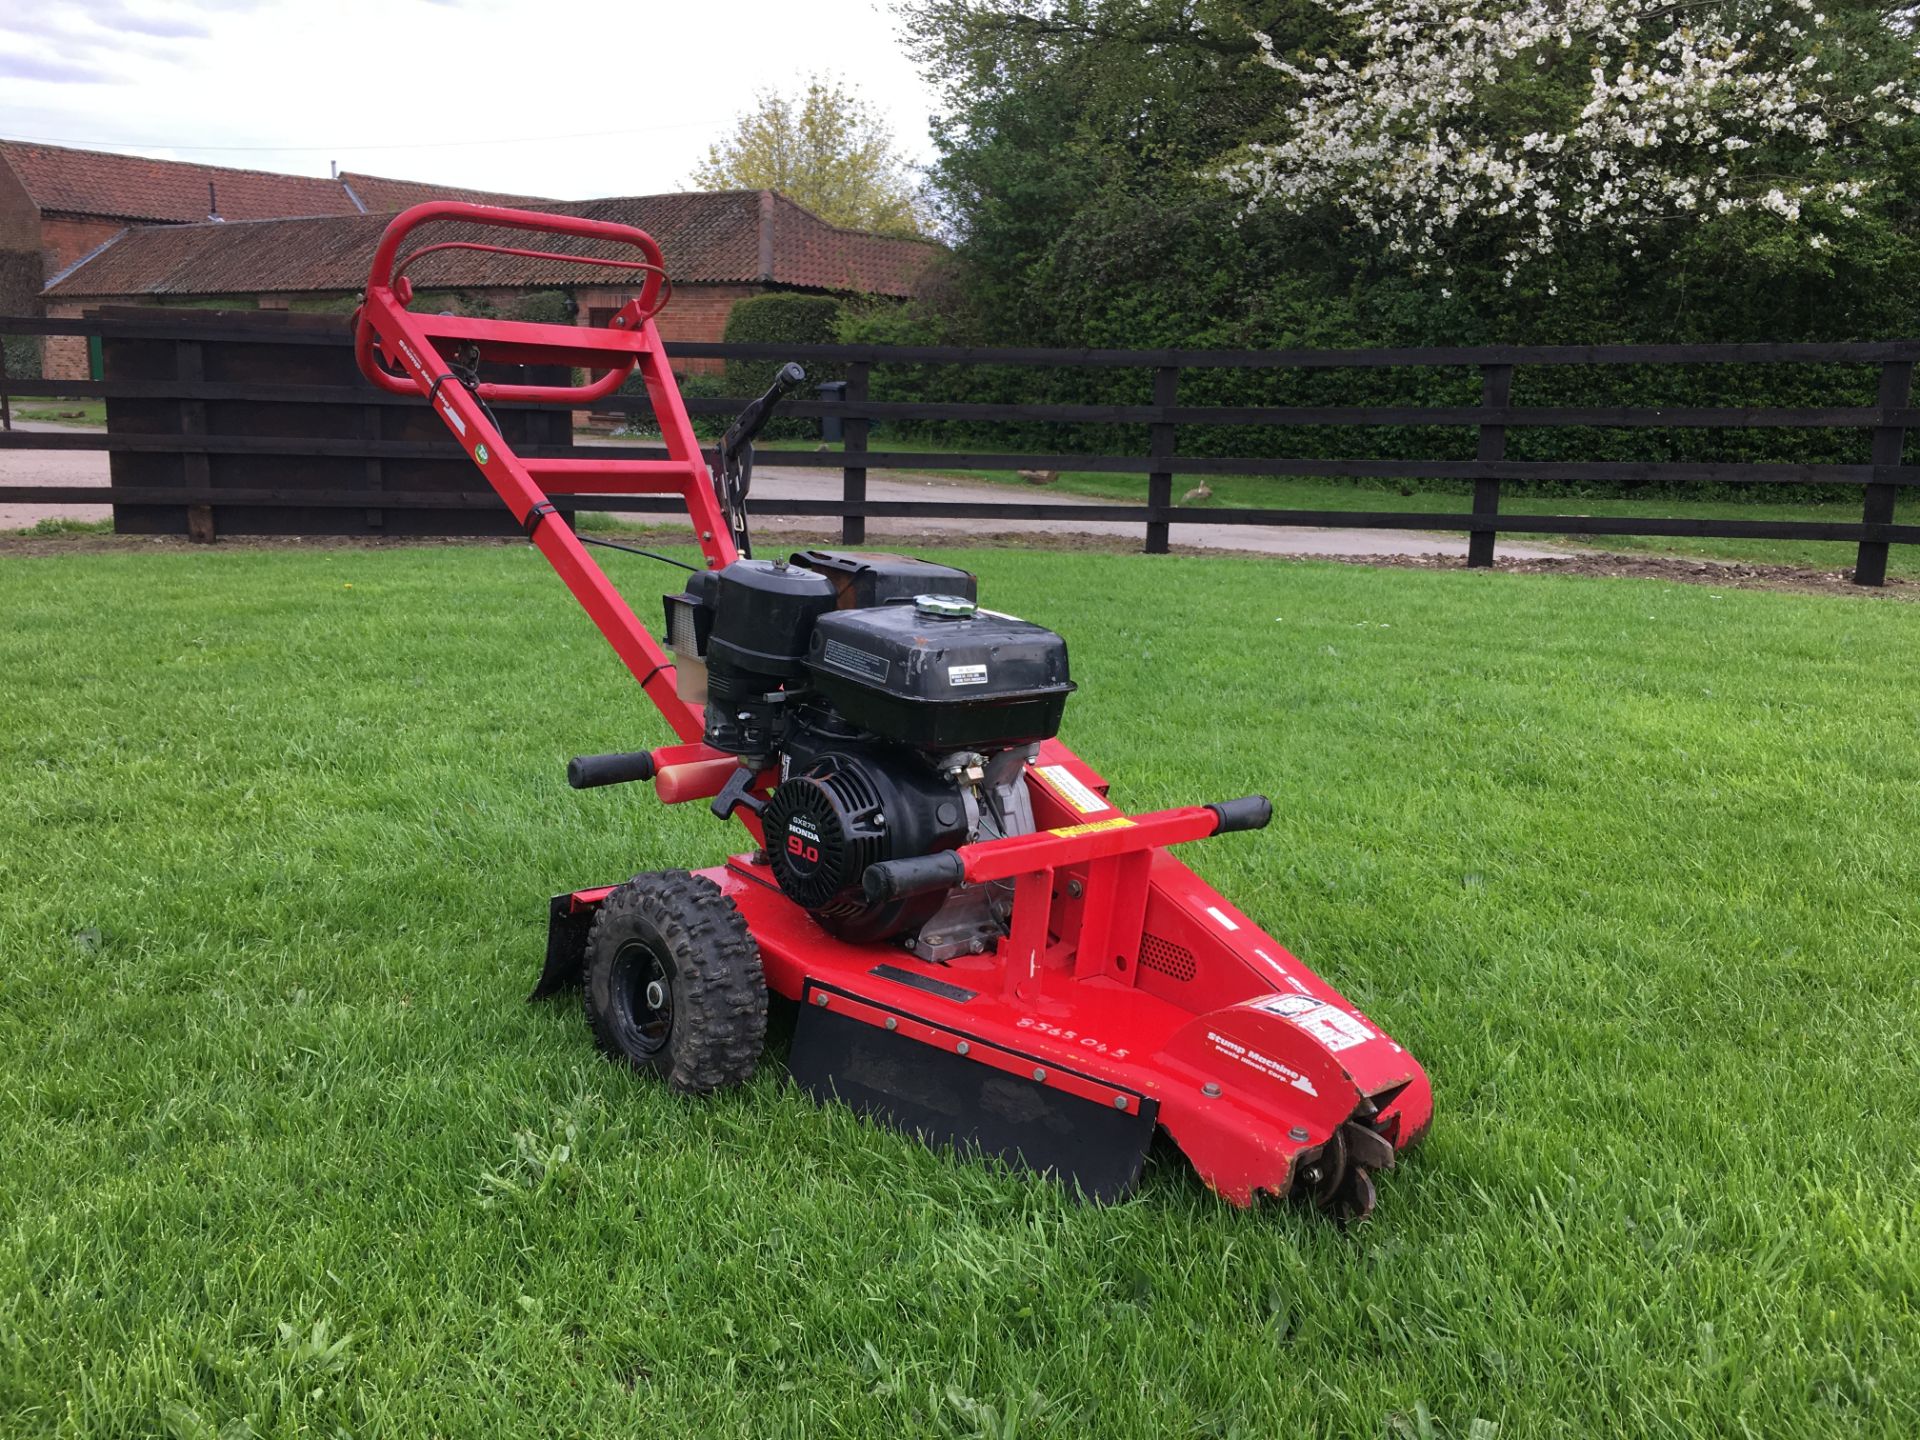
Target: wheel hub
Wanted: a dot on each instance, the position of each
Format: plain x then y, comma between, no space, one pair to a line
650,995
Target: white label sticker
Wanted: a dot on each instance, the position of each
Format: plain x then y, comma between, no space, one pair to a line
966,675
1329,1024
1265,1064
1064,783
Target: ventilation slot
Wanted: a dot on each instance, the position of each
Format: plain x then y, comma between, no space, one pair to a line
1174,961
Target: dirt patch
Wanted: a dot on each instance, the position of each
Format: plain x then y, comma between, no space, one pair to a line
1720,574
1673,569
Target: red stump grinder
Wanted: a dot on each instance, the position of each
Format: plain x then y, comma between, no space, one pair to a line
985,949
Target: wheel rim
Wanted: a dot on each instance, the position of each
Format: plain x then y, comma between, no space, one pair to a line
644,988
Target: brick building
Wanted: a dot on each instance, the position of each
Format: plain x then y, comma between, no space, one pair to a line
59,205
81,229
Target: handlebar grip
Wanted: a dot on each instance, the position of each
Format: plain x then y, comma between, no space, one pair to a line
897,879
586,772
1249,812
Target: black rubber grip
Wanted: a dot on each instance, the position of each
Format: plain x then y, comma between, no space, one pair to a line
584,772
759,410
1249,812
897,879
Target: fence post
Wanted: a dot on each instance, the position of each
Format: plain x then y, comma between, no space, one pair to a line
1496,389
1896,384
853,482
1166,392
6,403
376,471
196,472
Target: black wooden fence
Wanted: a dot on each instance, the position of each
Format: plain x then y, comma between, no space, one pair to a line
245,445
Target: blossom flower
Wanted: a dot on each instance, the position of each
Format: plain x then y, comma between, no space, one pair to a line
1685,112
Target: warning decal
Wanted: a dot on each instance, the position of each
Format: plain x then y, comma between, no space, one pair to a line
1118,822
1329,1024
857,662
1069,787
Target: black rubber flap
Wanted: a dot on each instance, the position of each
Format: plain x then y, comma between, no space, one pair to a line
945,1099
566,947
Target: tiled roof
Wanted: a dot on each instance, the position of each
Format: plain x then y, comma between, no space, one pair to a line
131,187
128,187
382,195
808,251
738,236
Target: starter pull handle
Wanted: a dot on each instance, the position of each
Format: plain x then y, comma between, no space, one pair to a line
585,772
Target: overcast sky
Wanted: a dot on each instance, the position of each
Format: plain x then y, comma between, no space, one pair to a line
467,92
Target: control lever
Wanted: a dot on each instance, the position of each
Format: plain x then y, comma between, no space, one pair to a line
733,478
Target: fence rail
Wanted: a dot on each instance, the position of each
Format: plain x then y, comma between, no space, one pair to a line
264,441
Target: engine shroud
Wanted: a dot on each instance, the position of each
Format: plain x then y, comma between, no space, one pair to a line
825,825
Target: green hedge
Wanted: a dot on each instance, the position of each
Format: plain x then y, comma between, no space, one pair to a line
1662,386
779,320
692,387
782,320
764,320
22,353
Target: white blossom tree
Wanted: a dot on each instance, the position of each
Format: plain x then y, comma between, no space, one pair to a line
1532,121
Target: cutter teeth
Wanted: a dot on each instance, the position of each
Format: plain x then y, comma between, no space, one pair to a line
1367,1148
1340,1178
1356,1196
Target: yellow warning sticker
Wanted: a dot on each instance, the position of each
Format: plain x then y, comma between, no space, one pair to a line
1118,822
1070,788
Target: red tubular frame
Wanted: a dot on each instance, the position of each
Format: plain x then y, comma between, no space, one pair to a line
413,341
588,350
1249,1060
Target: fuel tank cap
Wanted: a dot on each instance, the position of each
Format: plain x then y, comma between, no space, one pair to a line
947,607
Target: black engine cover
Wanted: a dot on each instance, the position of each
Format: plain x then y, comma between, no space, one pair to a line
975,681
825,826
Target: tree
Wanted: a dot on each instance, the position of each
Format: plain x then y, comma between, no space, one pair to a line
1071,161
1081,157
1431,124
824,148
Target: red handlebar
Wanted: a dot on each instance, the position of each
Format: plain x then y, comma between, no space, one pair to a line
390,285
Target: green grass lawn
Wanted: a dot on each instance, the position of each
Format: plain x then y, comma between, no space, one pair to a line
1631,867
91,413
1283,492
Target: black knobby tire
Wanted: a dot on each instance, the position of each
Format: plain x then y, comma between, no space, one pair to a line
674,984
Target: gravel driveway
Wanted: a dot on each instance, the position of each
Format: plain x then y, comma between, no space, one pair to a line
50,467
89,467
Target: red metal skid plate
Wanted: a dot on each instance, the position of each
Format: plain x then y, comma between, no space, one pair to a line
1232,959
1236,961
1243,1138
